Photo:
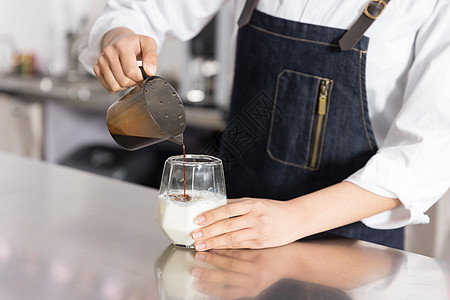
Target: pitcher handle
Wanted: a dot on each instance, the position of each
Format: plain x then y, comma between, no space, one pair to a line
143,72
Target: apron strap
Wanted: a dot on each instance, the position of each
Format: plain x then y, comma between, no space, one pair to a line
372,11
247,12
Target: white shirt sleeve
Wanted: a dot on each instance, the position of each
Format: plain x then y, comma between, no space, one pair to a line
155,18
413,164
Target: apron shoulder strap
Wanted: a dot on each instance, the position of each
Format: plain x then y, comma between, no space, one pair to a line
372,11
247,12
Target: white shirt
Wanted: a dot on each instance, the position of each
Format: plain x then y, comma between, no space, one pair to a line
407,81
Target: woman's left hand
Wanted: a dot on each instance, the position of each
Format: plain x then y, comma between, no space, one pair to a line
247,223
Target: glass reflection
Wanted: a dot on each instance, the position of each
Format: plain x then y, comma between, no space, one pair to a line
173,274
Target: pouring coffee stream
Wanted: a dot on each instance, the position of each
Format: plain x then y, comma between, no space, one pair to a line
148,114
185,197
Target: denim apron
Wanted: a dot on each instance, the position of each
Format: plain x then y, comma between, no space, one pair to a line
298,119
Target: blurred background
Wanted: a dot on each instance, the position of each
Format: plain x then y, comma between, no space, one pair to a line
51,109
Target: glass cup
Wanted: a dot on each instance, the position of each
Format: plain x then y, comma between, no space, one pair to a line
187,189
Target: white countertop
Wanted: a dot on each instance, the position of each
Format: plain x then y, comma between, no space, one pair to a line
67,234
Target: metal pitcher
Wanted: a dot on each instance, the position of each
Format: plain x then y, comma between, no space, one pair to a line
150,113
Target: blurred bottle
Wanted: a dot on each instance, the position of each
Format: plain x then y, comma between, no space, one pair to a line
24,64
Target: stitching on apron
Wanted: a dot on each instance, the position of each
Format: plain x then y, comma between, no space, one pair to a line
299,39
271,156
362,105
273,117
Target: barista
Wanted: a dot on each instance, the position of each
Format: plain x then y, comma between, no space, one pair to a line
355,142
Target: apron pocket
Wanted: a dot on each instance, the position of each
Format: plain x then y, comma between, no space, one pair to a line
297,133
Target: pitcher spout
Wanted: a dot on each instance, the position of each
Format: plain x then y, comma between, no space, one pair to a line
177,139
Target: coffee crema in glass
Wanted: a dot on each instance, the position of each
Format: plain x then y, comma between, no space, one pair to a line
189,186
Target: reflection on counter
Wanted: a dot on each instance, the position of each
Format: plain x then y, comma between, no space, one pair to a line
173,274
328,269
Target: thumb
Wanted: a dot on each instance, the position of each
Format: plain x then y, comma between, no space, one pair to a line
148,54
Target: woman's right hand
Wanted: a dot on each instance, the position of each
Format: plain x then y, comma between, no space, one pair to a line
117,67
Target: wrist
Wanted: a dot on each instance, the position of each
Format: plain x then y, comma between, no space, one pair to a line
304,210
